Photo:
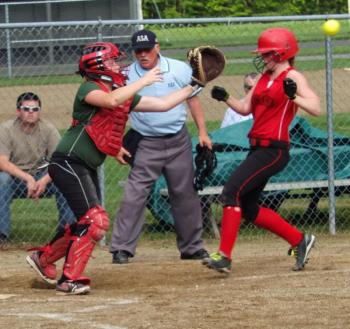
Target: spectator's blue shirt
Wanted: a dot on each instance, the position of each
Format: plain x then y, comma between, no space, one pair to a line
176,75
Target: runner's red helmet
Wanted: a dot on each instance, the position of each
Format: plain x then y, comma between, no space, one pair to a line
279,40
92,62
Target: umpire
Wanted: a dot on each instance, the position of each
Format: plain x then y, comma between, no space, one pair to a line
165,148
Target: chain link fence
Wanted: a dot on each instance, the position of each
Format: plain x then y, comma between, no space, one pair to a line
42,58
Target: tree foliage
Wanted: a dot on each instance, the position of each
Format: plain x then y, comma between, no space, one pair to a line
226,8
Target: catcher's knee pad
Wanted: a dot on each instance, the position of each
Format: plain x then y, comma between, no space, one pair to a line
98,222
82,246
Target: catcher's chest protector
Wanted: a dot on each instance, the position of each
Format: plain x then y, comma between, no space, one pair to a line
106,128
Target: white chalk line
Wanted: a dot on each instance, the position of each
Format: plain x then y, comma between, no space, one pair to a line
64,317
101,307
290,274
7,296
69,317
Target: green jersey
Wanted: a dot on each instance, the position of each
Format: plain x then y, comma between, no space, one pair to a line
76,142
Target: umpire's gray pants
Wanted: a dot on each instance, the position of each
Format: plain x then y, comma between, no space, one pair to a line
172,157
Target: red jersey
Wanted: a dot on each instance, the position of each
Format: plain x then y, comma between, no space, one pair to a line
272,110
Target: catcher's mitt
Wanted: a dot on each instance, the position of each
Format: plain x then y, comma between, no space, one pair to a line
207,63
205,161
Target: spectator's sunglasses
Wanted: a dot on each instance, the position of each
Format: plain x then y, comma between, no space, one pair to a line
30,108
247,87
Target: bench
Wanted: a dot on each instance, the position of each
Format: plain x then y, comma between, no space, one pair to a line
208,194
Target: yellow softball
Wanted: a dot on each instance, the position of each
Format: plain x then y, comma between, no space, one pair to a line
331,27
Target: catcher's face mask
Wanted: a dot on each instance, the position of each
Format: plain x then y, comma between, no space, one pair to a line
102,61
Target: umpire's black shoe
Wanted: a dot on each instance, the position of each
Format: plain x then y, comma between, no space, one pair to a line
301,251
198,255
121,257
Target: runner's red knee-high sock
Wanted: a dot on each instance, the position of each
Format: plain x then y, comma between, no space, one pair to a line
270,220
231,219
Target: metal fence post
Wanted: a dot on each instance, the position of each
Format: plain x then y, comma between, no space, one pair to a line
8,43
101,169
99,30
101,183
330,127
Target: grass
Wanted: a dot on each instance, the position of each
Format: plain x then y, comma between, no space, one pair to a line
233,67
239,33
225,36
36,222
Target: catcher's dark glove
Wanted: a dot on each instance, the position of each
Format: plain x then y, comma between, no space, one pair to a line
290,88
205,161
207,63
220,94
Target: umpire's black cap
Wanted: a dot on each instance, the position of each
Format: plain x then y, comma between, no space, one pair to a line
143,39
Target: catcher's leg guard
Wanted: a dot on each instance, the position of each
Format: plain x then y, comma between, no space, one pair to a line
97,223
43,258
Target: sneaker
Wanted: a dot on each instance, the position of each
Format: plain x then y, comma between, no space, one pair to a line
48,273
218,262
301,251
198,255
70,287
121,257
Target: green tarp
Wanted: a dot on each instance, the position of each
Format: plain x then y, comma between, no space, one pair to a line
308,162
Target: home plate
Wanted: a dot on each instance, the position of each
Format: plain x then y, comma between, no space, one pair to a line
6,296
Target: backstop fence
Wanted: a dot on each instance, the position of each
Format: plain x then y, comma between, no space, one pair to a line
312,192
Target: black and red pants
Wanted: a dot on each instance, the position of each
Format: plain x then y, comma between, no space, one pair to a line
243,188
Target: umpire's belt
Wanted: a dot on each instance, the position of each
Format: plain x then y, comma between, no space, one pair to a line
260,142
167,135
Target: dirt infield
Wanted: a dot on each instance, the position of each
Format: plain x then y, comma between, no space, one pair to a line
159,291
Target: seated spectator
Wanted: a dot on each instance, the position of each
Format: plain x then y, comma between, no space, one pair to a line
231,117
25,143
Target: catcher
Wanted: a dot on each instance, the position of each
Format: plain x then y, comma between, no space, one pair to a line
165,148
100,111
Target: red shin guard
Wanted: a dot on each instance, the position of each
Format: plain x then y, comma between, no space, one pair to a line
54,251
273,222
57,249
77,258
230,222
82,246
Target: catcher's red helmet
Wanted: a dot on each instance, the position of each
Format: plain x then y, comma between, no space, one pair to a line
92,62
94,55
279,40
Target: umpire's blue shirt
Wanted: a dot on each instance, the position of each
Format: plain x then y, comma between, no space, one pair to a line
176,75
